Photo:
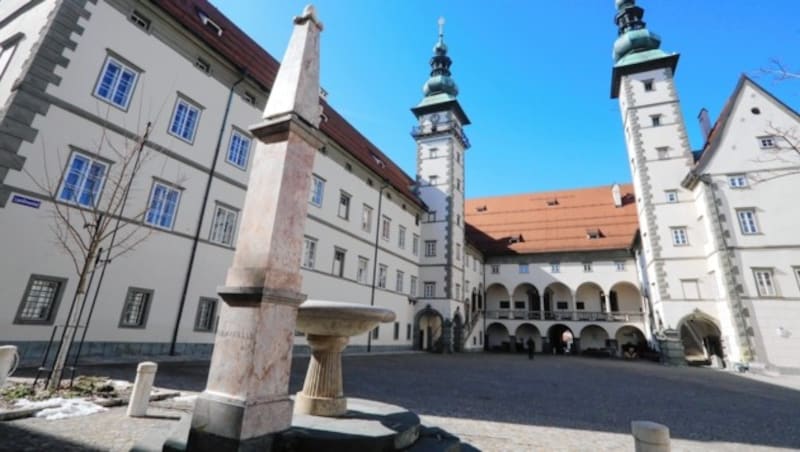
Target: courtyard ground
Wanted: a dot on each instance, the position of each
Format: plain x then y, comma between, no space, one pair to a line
494,402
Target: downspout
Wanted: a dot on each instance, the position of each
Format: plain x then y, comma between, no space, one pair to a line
483,307
375,258
196,238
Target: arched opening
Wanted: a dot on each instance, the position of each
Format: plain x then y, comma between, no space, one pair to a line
526,301
590,302
631,342
556,302
625,301
701,339
527,331
594,341
497,337
428,329
560,339
498,302
458,332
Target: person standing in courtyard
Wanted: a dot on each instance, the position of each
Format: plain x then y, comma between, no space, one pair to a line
531,345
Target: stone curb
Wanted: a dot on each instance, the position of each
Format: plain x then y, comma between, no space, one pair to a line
19,413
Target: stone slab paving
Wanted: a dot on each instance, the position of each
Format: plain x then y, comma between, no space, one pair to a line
504,403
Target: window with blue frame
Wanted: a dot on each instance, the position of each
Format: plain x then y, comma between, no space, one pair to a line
162,206
116,83
83,180
317,190
238,149
184,120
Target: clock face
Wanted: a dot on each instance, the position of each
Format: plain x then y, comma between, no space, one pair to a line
435,118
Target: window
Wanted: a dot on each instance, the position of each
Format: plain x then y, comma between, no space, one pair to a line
366,218
458,184
562,305
458,292
396,330
458,219
580,305
679,237
505,304
764,282
747,221
163,205
648,84
382,270
672,196
238,149
376,332
184,120
116,82
408,331
587,267
41,299
737,181
203,65
412,286
663,152
767,142
401,237
458,157
338,262
83,181
431,216
430,248
797,275
433,153
655,120
691,289
458,251
555,267
429,289
386,226
136,308
344,205
309,252
523,268
433,179
224,225
361,273
249,98
415,245
620,266
206,314
139,20
317,190
495,269
399,281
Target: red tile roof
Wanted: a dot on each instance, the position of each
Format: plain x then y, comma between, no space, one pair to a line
494,225
244,53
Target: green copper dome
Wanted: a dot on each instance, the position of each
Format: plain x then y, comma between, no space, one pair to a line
635,42
440,80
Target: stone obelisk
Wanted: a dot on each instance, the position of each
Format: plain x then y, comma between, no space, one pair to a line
246,399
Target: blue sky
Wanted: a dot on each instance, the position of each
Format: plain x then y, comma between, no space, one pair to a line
534,76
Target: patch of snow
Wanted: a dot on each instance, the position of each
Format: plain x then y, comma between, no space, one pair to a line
60,408
184,398
25,403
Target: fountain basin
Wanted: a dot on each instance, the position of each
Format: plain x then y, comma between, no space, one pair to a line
328,326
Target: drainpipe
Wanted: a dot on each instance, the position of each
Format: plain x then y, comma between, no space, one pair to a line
196,238
375,258
706,179
483,308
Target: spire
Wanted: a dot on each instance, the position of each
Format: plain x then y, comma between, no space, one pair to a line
440,80
635,42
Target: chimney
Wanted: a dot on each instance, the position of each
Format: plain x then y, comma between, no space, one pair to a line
705,123
616,195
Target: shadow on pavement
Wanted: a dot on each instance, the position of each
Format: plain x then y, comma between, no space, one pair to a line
15,438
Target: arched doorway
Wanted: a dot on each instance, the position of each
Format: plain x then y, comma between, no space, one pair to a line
526,331
428,329
560,338
701,338
458,332
594,340
631,341
497,337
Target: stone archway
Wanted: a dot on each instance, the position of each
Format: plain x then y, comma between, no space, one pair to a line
527,330
594,339
701,338
557,301
497,337
560,339
631,341
590,302
458,332
428,328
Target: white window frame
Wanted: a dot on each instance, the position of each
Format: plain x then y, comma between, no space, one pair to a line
796,270
363,268
178,127
399,281
768,142
401,237
655,120
429,289
336,253
662,152
430,248
206,314
383,270
163,206
433,179
671,196
738,181
620,266
317,192
587,267
430,216
748,222
366,218
412,286
309,252
238,153
458,252
386,228
555,267
80,185
223,225
495,269
415,245
114,84
345,199
680,236
765,282
523,268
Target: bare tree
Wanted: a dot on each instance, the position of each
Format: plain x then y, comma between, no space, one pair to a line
91,216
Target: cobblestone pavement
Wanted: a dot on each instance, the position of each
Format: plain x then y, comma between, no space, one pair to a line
497,403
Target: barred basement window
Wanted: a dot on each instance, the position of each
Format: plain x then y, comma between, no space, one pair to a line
136,308
249,98
203,65
40,303
224,225
139,20
206,314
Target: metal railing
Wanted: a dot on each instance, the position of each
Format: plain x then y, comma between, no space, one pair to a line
580,316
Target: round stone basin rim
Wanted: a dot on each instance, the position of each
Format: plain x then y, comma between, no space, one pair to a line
337,318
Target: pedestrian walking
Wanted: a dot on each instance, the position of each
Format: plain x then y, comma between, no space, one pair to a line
531,345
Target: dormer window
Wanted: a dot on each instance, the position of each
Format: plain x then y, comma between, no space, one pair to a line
203,65
481,209
139,20
552,202
515,239
210,24
593,234
249,98
378,161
